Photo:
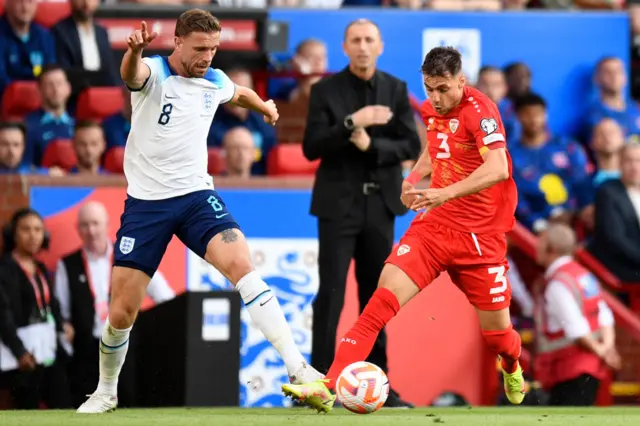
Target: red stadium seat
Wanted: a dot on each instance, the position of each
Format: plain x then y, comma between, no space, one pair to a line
1,7
217,163
19,99
114,160
98,103
288,160
49,13
59,153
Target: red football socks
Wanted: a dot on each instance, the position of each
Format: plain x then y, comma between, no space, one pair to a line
507,344
358,342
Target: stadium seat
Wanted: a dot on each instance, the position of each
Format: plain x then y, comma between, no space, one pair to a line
59,153
288,160
1,7
114,160
49,13
98,103
19,99
217,163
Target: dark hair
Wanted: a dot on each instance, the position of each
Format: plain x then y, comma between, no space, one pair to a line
87,124
196,20
528,99
488,68
442,62
49,68
14,125
9,230
509,68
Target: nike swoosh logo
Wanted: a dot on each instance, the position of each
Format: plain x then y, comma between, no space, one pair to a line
264,303
220,216
171,97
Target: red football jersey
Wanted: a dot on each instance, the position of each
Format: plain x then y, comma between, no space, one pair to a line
456,142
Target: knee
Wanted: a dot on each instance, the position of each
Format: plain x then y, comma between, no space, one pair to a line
121,315
236,268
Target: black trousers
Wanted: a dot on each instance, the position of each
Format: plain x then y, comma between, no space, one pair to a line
581,391
84,374
366,236
44,384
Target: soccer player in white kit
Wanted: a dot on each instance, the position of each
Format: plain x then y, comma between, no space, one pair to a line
170,193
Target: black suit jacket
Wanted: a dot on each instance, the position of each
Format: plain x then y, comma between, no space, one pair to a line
69,52
616,241
343,166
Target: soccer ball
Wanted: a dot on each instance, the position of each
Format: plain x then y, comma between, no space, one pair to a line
362,387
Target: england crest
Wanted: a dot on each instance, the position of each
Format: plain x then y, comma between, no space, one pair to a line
453,125
207,101
126,245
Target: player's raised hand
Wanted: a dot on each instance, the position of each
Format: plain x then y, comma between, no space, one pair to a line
271,115
372,115
141,38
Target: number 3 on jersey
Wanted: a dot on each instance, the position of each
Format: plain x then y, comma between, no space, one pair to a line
165,115
444,146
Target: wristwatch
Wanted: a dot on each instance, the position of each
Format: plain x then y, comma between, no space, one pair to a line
348,122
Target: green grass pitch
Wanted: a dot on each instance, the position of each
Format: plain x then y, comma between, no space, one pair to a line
511,416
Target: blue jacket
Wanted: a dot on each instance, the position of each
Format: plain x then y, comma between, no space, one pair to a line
23,59
43,128
548,177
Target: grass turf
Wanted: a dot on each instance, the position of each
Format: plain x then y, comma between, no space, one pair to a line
511,416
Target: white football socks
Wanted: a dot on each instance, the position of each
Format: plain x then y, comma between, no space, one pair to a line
266,313
113,350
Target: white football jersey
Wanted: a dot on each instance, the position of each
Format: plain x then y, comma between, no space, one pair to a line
166,152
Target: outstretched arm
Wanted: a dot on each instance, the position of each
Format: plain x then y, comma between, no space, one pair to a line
133,71
246,98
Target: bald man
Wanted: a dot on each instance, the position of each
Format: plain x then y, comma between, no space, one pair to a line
575,330
82,287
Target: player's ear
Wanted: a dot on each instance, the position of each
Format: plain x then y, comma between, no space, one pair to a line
177,41
462,81
381,48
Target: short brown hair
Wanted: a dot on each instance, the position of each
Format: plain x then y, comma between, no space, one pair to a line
196,20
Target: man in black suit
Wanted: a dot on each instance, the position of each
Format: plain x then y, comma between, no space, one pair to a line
616,240
83,46
360,124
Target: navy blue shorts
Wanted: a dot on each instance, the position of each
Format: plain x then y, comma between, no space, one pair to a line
147,226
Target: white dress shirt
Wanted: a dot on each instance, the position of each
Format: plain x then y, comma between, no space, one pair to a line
100,272
562,308
634,196
89,48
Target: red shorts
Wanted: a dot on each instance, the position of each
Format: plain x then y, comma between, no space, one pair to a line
477,264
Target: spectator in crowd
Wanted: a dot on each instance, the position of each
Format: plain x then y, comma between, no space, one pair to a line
310,58
606,143
518,77
576,335
613,102
30,324
82,289
548,171
361,126
82,44
25,47
12,144
89,145
487,5
492,82
51,121
230,116
616,240
239,152
116,127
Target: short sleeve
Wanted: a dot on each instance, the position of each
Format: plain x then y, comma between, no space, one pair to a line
156,68
483,121
226,87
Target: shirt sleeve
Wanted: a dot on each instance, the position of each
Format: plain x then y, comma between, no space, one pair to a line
62,291
484,122
226,87
605,315
562,305
156,73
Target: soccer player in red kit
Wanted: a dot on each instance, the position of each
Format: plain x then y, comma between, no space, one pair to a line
460,228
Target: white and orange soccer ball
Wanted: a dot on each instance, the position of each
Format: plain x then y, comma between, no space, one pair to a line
362,387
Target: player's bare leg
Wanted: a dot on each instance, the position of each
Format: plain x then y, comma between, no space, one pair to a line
229,253
502,339
128,288
395,289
